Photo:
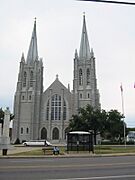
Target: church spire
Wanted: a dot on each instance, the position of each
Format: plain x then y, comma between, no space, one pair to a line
33,51
84,46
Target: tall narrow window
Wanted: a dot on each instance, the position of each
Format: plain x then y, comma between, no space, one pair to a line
64,111
31,79
27,130
56,107
80,77
80,95
21,130
47,111
88,76
24,79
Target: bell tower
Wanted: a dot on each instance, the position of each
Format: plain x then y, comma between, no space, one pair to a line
27,100
85,83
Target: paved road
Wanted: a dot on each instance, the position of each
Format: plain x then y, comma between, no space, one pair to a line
93,168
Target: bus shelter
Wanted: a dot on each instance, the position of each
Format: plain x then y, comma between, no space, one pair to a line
80,141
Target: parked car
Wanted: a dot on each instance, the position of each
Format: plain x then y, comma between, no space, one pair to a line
37,143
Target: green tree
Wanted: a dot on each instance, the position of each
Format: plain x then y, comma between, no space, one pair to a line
109,124
89,119
115,126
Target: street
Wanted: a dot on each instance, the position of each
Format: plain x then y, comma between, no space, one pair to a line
110,168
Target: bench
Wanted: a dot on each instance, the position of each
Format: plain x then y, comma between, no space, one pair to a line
49,150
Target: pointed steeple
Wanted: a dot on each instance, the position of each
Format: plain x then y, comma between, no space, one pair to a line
84,52
33,51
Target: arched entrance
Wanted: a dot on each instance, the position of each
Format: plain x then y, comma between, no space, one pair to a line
43,133
55,134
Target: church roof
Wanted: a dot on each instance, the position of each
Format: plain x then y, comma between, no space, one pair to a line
84,52
57,85
33,50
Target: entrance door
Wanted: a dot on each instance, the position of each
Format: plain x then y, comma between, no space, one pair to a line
43,133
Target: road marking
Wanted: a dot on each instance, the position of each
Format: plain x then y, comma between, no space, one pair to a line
94,178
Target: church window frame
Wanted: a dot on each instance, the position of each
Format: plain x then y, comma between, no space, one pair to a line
64,110
47,111
29,97
88,76
80,77
24,78
27,130
22,97
21,130
80,95
31,78
56,107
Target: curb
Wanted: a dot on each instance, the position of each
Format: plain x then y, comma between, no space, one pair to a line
68,156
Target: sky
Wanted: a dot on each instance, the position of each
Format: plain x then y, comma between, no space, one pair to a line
111,33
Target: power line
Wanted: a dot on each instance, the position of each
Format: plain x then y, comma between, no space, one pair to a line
111,2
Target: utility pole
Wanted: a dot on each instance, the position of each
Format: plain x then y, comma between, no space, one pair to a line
124,125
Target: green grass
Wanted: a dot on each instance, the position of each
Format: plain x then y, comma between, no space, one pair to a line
99,149
112,150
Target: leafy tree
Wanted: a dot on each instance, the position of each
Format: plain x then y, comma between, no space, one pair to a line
115,125
108,124
89,119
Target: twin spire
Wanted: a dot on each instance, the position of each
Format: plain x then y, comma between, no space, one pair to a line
84,52
33,50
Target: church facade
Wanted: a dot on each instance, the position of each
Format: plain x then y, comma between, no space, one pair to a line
45,114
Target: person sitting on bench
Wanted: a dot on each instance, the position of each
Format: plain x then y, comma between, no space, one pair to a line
56,150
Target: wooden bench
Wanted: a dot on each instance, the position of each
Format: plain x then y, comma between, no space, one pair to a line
48,150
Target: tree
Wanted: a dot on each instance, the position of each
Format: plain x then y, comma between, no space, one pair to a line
115,125
108,124
89,119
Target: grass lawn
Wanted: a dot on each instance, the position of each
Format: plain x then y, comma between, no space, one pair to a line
99,149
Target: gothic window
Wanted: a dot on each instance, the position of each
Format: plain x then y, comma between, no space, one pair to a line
31,79
29,97
22,97
56,107
24,79
88,95
21,130
80,95
64,110
43,133
88,76
80,77
27,130
47,111
55,134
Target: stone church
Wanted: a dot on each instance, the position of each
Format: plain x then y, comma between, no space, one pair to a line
45,114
